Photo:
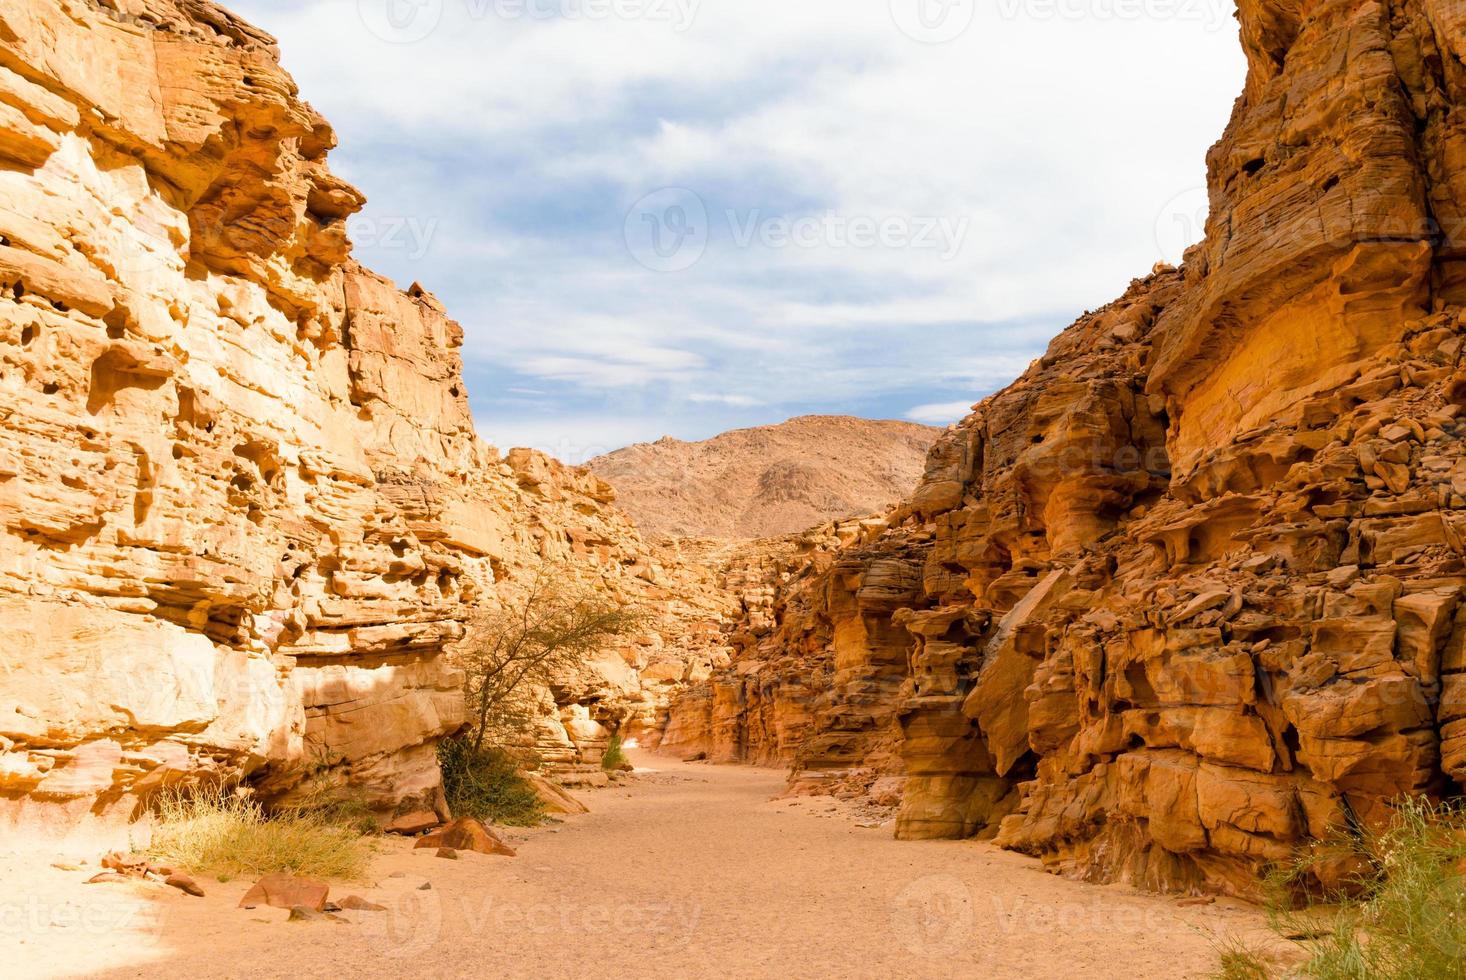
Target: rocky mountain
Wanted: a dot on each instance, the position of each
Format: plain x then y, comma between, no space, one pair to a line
1181,600
767,481
1187,595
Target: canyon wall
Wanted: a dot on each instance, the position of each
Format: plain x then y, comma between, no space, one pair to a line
243,510
1185,596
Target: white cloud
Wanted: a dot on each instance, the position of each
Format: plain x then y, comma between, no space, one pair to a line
941,413
1064,139
713,398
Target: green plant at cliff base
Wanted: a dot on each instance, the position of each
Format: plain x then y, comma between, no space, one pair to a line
485,782
228,835
1402,919
551,627
615,757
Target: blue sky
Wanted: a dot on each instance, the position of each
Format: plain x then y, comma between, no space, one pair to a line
677,217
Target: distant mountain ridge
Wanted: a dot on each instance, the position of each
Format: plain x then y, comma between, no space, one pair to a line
767,480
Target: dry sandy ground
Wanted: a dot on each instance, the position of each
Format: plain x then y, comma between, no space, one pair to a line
692,870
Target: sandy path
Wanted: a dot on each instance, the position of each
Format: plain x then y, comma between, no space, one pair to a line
692,871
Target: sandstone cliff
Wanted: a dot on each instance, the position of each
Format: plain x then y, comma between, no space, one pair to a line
243,510
1187,594
767,481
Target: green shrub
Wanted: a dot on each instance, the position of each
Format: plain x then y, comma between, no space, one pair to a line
486,783
228,836
1403,919
615,757
551,625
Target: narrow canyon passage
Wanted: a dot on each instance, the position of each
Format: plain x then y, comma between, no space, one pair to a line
697,870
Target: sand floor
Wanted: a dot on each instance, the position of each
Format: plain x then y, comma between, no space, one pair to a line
691,870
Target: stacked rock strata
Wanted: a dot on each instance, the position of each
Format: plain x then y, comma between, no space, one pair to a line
1187,595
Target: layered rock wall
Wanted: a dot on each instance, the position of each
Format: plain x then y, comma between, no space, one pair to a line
1189,591
243,510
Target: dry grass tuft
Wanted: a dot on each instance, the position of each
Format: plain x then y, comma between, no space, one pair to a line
229,836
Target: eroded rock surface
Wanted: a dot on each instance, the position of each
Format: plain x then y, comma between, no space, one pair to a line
243,510
1187,594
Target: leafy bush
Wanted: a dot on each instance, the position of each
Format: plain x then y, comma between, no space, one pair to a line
513,652
1403,919
485,782
227,836
615,757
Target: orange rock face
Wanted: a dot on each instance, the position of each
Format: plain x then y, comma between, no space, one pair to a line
1187,594
243,510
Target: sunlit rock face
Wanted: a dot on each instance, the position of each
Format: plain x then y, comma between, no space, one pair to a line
243,510
1188,591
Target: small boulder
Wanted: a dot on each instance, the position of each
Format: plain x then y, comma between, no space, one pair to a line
554,798
285,891
413,823
356,903
184,884
466,834
448,852
128,864
304,913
